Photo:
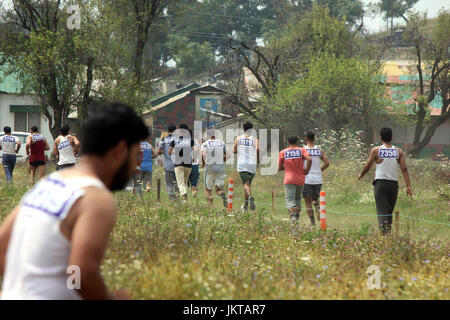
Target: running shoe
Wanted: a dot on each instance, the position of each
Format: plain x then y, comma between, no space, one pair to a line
251,200
244,208
294,217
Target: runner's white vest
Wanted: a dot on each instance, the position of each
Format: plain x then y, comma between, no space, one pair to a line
388,168
66,154
38,254
315,173
246,154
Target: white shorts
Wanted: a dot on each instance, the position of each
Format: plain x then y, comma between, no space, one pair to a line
214,179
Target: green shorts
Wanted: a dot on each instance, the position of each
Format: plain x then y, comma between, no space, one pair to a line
293,195
246,176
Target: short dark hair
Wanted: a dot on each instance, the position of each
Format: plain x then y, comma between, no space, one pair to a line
65,129
310,135
7,130
247,126
386,134
292,139
34,129
183,126
109,123
171,128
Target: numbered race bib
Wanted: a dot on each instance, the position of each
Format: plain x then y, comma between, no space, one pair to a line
9,139
215,144
145,146
315,152
64,144
50,196
246,142
293,154
38,137
388,153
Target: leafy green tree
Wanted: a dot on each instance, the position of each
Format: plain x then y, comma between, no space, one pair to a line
396,8
432,53
191,57
316,73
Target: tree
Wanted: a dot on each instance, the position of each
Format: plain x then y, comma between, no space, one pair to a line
191,57
432,52
315,73
396,9
49,58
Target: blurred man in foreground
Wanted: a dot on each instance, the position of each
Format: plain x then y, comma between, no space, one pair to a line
53,242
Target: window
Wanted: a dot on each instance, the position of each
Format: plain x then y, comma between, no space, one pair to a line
23,121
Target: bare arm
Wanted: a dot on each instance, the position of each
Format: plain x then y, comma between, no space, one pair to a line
308,164
28,144
76,145
89,239
326,163
5,234
154,153
405,172
18,145
235,145
55,147
370,161
47,147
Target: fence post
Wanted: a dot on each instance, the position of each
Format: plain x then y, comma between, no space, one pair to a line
158,190
397,223
230,195
323,220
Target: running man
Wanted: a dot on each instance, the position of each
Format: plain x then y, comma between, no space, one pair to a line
66,148
169,168
36,146
214,155
291,160
181,153
61,227
148,154
195,174
313,181
10,145
385,185
247,149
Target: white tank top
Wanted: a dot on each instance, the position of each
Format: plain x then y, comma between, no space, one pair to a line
246,154
66,154
38,253
315,173
388,168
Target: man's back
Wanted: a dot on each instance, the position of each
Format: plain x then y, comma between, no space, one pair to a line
165,146
215,150
247,153
38,251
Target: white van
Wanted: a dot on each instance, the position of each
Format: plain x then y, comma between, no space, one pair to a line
22,154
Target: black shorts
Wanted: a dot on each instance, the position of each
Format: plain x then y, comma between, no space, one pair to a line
37,163
312,191
63,166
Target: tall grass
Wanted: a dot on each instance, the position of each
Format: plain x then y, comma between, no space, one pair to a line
195,251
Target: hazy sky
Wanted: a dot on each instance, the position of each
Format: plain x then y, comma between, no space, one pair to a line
430,6
376,23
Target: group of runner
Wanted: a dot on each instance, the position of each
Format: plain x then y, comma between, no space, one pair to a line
183,155
64,222
65,149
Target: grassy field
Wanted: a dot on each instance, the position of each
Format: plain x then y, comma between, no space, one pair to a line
195,251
